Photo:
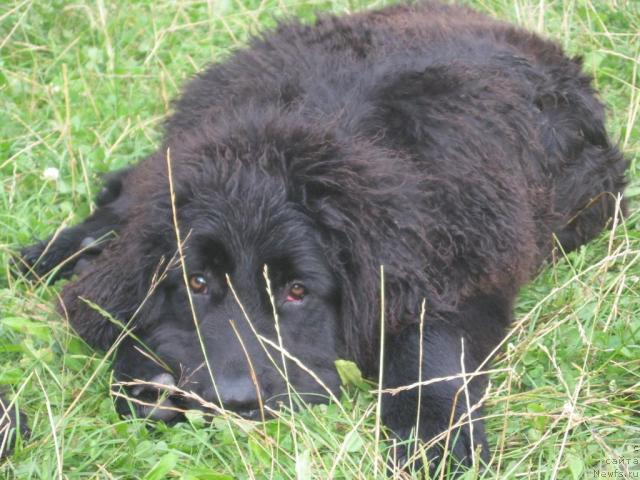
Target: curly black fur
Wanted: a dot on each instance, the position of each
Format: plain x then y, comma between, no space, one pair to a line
444,145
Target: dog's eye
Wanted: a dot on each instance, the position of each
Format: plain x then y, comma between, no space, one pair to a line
296,292
198,283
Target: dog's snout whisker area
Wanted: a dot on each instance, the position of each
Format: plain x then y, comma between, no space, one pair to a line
156,399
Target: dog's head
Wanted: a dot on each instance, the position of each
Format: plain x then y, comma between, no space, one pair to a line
251,279
245,305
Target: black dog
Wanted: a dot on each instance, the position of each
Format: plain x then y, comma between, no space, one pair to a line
445,146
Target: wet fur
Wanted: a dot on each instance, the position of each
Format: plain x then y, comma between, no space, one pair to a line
449,147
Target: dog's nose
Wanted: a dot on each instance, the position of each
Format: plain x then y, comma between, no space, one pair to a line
239,395
154,399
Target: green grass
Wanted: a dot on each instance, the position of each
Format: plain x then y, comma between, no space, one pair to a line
83,88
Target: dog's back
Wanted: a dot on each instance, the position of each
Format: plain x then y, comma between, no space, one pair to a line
484,111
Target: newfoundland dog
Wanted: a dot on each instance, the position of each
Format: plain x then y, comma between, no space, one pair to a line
417,153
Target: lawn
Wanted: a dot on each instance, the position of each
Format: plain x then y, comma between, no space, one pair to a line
84,87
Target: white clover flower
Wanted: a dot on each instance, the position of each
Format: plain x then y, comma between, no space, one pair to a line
51,174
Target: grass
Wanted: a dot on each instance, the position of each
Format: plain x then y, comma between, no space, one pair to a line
84,86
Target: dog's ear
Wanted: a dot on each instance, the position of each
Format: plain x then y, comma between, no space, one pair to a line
356,251
362,227
108,293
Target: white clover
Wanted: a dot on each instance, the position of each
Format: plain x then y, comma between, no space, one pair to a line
51,174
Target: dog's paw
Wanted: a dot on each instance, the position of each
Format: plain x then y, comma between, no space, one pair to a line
35,260
454,452
43,258
11,422
58,258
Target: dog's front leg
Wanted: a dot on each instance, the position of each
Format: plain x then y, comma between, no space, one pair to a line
444,412
71,249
